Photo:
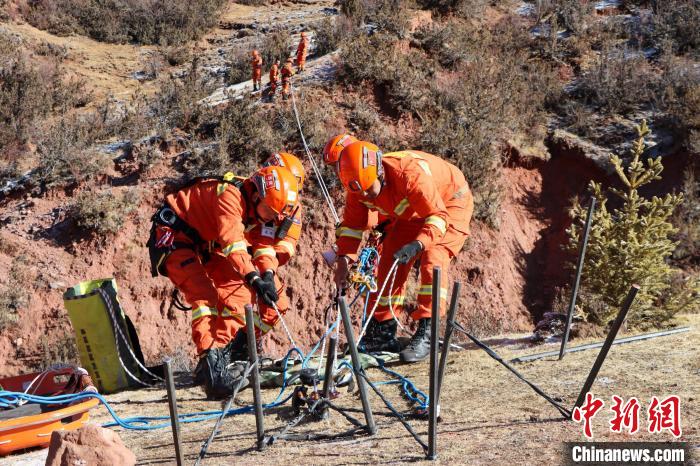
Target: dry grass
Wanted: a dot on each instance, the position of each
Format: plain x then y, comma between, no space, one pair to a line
122,21
488,417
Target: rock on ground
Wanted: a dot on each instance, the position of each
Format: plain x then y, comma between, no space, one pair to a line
90,445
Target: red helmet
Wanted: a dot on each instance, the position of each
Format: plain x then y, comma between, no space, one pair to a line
360,165
335,145
290,162
278,188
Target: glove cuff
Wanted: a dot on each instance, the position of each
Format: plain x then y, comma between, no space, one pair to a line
251,277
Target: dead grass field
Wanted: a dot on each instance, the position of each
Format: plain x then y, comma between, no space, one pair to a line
488,416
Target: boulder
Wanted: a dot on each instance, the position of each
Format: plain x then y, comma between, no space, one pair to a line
90,445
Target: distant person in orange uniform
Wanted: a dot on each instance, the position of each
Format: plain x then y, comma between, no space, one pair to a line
199,241
286,73
274,76
256,64
302,51
429,204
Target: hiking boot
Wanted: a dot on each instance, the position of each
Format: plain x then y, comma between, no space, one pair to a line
237,349
419,346
198,378
380,336
220,377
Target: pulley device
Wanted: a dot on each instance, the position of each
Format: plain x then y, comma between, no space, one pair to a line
364,271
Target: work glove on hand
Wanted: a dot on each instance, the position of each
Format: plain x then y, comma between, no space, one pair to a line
265,290
269,277
408,252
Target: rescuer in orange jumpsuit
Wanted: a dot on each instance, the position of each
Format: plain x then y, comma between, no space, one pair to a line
286,73
274,245
256,64
274,76
199,241
302,51
430,206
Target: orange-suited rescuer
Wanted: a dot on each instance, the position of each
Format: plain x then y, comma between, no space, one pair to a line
302,51
429,205
209,240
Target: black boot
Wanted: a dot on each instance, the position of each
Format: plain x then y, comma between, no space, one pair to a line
220,376
237,349
419,346
380,336
199,370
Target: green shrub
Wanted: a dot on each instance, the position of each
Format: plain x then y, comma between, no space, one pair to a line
104,212
631,245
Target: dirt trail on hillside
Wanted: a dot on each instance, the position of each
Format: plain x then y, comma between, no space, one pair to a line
119,70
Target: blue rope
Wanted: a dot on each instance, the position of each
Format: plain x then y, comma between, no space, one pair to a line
413,393
8,399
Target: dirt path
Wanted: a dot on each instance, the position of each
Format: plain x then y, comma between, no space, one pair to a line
489,417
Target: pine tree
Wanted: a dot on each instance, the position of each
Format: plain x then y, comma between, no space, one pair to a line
631,244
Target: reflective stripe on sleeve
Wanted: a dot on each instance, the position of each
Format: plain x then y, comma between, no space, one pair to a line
264,252
234,247
349,232
401,206
287,246
437,222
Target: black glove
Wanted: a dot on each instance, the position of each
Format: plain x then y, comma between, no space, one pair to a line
269,276
408,252
265,290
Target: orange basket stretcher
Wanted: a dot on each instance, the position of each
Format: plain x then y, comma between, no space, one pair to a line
31,425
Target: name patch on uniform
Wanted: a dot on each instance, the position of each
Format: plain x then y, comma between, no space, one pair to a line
268,232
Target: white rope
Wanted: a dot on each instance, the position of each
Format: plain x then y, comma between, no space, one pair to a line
317,171
118,334
323,344
284,324
391,304
392,270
